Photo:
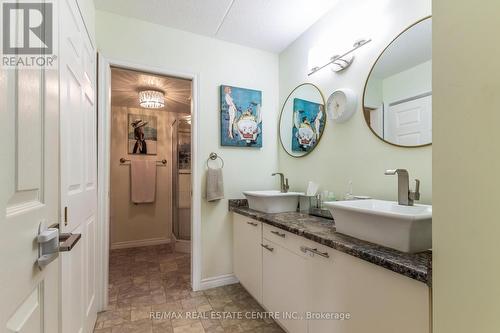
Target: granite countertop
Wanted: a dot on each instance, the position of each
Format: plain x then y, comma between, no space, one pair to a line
416,266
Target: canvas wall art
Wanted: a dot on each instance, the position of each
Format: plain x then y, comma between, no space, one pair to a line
240,117
308,124
142,134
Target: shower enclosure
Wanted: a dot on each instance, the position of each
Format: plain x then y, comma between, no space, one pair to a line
181,182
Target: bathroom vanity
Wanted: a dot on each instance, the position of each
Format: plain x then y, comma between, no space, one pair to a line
297,265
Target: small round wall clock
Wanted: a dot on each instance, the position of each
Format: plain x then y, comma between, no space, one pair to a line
341,105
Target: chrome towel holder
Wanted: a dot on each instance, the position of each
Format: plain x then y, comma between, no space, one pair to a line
124,161
213,156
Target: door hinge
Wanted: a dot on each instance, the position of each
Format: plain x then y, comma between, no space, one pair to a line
65,215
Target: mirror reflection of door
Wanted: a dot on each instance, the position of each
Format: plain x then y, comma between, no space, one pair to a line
398,93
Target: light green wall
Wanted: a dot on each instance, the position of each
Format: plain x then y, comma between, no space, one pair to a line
215,62
411,82
350,151
374,93
466,165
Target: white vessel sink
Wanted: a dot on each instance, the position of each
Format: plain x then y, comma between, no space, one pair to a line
404,228
273,201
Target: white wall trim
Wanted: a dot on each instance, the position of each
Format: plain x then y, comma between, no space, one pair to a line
104,130
141,242
218,281
181,245
103,179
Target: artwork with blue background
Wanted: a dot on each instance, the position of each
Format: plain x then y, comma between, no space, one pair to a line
240,117
308,124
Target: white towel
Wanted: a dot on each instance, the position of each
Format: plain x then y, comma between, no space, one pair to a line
142,181
215,184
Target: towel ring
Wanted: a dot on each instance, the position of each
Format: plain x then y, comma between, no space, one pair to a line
213,157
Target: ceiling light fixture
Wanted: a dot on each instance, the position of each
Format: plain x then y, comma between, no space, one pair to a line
151,99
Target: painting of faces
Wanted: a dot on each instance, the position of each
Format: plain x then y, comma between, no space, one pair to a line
142,134
308,124
241,119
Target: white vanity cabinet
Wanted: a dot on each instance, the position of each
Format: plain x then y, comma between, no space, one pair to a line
247,254
322,288
378,300
301,277
284,285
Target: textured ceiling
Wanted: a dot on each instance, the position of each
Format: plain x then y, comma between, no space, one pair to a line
270,25
126,84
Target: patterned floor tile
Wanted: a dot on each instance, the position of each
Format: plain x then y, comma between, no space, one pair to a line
149,284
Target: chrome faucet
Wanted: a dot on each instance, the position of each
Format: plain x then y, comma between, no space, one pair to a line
406,197
283,182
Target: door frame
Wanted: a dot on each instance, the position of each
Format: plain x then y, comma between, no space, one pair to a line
104,164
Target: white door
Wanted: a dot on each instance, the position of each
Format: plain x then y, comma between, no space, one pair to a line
78,170
410,123
29,195
377,120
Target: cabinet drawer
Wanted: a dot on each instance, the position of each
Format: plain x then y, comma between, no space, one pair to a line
248,223
286,239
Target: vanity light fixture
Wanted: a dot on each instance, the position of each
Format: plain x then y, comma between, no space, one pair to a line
341,62
151,99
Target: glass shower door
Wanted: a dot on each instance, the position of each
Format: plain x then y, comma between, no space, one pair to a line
181,224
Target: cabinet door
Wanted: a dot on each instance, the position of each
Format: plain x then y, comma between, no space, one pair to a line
284,286
247,254
321,290
378,300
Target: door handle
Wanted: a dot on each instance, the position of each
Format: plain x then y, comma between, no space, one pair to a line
68,241
48,245
283,235
267,247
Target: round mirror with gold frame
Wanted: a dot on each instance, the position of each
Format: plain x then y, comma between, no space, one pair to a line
397,99
302,120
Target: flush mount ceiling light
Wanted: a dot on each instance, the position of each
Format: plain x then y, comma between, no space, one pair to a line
151,99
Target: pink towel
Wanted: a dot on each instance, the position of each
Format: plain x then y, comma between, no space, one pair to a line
142,181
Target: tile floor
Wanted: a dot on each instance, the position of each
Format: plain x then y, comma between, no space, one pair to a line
156,279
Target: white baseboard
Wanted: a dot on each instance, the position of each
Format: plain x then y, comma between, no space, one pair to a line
138,243
183,246
218,281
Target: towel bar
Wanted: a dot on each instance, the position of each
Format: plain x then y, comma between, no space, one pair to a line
163,162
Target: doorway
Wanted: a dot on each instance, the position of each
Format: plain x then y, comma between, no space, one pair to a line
158,242
145,198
